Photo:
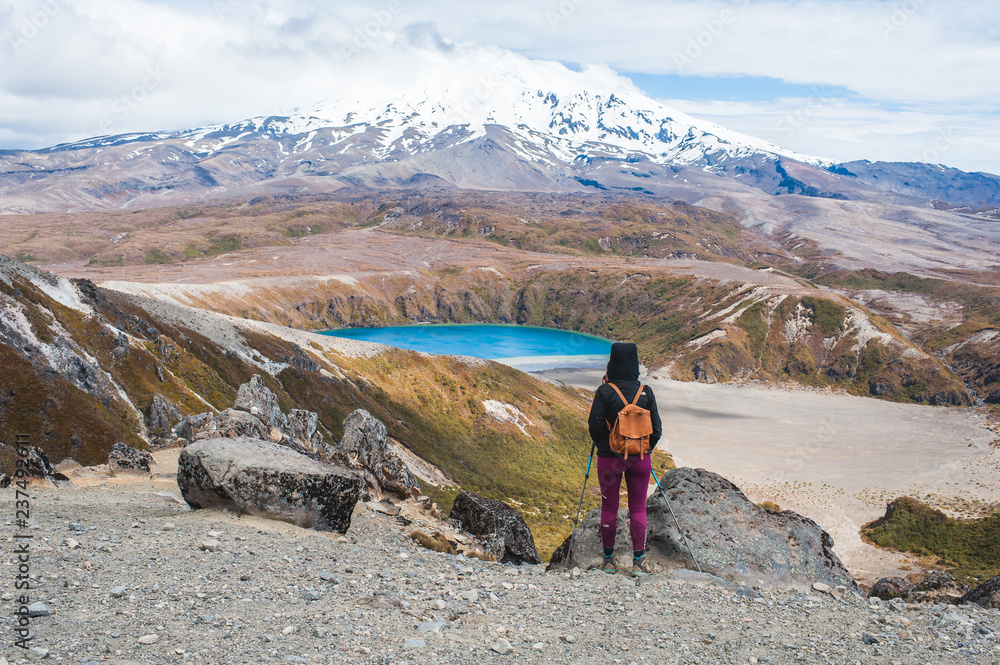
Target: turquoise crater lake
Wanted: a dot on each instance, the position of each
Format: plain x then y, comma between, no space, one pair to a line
527,348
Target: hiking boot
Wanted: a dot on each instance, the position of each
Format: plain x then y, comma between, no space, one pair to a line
640,566
609,565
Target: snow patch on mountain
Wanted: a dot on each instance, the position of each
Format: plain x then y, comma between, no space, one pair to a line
552,114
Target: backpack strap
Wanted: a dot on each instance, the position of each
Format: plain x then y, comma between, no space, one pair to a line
624,401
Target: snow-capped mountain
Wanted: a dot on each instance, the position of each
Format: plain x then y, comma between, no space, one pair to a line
537,127
497,122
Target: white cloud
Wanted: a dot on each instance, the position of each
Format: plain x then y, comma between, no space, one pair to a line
846,130
69,70
906,50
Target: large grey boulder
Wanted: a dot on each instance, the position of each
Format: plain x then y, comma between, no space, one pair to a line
123,458
161,416
889,588
365,447
939,586
232,423
501,530
301,427
189,427
257,399
267,479
732,537
986,594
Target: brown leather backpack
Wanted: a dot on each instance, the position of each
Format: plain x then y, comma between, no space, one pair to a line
632,429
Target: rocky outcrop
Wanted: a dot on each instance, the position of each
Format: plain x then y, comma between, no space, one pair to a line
267,479
257,415
889,588
365,448
302,427
938,586
232,423
986,595
257,399
36,464
190,426
161,416
732,537
501,530
126,459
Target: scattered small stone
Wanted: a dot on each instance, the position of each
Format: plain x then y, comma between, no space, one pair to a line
311,594
431,627
414,644
320,632
440,604
71,543
38,653
869,639
210,546
73,526
169,526
538,646
822,588
38,610
149,639
502,647
569,639
471,595
117,592
287,630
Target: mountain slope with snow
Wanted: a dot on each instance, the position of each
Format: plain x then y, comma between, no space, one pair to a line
493,120
527,125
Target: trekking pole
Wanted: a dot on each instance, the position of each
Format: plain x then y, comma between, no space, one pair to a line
576,520
679,530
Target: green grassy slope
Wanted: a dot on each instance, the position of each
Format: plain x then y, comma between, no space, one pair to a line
970,549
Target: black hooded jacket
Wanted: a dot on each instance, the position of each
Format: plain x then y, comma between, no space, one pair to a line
623,371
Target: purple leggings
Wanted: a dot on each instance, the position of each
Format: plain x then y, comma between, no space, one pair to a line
609,474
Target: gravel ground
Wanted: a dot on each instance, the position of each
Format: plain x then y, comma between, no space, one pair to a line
149,581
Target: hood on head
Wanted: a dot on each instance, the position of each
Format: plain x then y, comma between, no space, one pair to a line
624,362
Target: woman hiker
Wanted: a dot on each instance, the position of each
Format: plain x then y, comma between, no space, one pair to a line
623,374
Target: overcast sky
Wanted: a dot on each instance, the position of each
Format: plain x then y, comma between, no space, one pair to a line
903,80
